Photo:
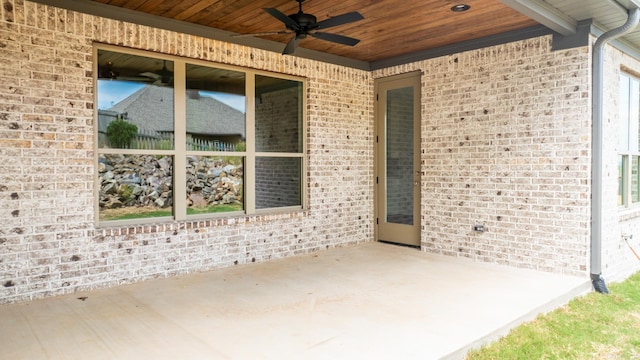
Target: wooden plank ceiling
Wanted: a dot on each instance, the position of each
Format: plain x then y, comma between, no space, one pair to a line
390,28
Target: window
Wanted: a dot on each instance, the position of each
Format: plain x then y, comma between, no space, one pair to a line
629,142
180,139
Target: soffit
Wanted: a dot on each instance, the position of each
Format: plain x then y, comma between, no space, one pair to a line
606,14
392,32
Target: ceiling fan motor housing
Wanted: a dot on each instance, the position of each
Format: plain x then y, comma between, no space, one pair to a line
306,22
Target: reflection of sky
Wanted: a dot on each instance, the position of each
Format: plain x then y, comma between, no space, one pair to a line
235,101
111,92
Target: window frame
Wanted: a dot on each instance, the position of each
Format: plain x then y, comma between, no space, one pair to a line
629,118
180,153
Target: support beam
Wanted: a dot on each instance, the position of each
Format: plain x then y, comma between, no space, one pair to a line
580,38
545,14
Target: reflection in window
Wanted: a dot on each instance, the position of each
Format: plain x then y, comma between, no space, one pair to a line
135,102
214,184
278,115
629,141
136,132
622,170
635,179
278,182
215,109
399,160
135,186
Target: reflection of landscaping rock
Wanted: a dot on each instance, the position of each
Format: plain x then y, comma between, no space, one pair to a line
228,198
138,190
146,180
111,203
166,187
197,200
109,188
132,179
215,172
165,164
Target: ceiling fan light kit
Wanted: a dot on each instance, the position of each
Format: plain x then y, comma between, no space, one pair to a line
302,25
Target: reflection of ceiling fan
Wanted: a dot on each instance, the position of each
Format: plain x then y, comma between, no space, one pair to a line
302,24
162,77
107,71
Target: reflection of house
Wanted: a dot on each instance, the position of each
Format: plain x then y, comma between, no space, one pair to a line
151,110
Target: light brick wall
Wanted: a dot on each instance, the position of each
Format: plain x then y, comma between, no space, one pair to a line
506,144
48,242
618,261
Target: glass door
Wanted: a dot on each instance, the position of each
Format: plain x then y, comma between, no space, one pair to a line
398,159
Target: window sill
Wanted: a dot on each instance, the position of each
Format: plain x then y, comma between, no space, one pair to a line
628,213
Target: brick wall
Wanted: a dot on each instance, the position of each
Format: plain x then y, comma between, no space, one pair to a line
506,144
48,242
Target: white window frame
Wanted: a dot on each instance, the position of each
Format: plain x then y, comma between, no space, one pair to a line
179,153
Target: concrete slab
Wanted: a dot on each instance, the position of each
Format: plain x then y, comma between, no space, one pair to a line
371,301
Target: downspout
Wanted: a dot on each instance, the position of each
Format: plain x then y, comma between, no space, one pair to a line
597,218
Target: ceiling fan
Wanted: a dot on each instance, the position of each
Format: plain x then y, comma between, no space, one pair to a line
302,25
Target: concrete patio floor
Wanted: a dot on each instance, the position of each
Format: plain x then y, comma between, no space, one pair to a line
370,301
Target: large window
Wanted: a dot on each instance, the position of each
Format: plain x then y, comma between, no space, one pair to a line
186,139
629,142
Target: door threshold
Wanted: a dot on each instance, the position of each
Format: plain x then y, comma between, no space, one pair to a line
417,247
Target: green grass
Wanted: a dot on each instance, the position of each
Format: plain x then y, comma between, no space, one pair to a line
143,213
214,209
140,215
594,326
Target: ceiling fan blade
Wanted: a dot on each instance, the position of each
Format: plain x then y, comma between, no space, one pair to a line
282,17
151,75
340,19
291,47
340,39
283,32
143,79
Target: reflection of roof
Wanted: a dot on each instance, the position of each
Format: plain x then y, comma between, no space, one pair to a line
151,109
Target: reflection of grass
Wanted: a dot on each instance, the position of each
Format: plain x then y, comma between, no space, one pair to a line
129,213
214,209
126,215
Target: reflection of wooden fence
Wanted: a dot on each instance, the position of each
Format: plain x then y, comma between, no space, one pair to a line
166,141
145,142
209,145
